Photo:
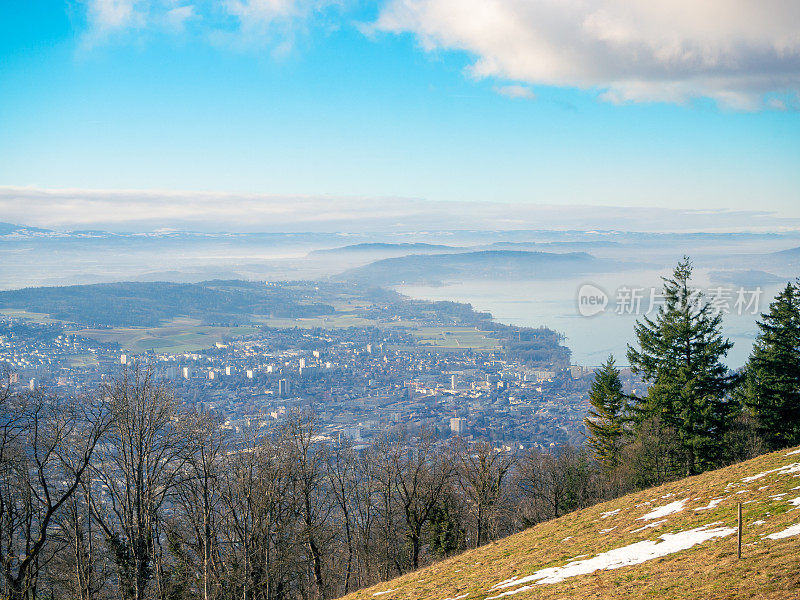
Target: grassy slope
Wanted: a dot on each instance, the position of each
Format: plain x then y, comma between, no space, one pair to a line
769,569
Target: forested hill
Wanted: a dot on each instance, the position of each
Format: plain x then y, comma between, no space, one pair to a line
146,304
488,264
677,541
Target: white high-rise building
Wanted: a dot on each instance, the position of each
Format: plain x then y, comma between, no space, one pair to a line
458,426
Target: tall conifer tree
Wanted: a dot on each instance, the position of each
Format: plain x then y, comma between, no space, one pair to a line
772,377
604,421
680,355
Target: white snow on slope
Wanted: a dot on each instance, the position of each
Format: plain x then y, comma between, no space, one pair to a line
461,597
793,452
649,525
632,554
795,501
608,530
712,504
663,511
789,532
384,592
610,513
788,469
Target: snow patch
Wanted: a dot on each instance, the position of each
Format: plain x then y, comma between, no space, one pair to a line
569,537
609,529
649,525
787,470
632,554
712,504
385,592
759,522
789,532
610,513
795,501
663,511
793,452
461,597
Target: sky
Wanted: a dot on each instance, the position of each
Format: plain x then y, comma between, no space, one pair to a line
516,113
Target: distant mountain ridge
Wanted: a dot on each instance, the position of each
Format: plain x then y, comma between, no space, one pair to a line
485,264
386,248
14,229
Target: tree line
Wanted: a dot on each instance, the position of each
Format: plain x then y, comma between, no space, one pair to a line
127,494
697,414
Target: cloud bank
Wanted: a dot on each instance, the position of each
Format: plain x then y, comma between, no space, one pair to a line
119,210
744,54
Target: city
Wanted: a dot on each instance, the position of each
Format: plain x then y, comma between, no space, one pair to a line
359,381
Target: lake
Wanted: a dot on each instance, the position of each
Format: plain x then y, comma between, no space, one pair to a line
554,304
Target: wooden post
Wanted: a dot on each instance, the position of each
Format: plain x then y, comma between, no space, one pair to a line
739,551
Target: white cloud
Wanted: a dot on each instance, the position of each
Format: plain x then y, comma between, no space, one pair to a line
238,23
515,91
114,14
262,11
130,210
175,18
733,51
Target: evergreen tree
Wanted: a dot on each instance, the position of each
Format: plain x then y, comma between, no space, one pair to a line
605,420
772,377
680,355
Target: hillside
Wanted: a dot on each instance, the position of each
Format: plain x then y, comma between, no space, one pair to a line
386,249
675,541
151,303
488,264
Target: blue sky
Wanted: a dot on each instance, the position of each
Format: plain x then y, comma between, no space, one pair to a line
401,99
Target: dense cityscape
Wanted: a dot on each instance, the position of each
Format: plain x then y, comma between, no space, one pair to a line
359,381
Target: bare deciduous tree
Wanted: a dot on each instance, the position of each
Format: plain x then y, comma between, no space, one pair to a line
482,472
140,460
46,444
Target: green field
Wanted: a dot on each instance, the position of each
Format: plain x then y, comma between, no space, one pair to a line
459,338
186,335
180,335
82,360
336,321
444,338
18,313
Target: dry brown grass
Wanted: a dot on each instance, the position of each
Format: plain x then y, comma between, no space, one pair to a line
769,569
